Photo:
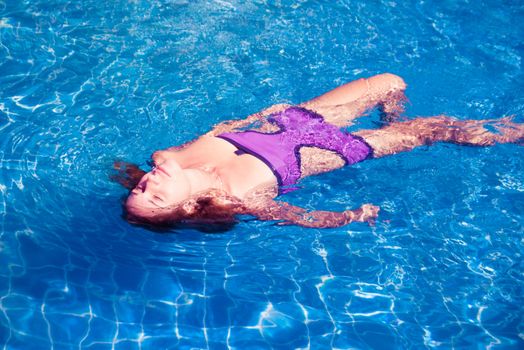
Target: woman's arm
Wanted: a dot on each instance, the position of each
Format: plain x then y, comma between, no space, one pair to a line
232,125
288,214
226,126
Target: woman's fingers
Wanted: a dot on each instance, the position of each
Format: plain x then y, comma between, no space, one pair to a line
367,213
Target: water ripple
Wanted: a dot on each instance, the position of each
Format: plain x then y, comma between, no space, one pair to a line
85,83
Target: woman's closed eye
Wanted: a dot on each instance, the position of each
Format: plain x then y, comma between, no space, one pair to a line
138,189
151,163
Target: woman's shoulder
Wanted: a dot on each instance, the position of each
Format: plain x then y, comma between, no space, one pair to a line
211,204
219,198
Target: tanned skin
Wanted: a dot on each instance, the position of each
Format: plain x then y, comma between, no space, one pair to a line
205,181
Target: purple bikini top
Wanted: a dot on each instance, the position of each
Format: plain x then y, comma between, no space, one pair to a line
299,127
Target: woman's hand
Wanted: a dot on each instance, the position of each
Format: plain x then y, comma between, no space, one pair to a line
367,213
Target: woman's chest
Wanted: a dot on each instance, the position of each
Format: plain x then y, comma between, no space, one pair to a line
239,172
245,173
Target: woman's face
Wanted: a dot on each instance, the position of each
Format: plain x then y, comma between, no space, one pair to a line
162,187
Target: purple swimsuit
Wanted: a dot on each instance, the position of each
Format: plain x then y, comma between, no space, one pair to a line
299,127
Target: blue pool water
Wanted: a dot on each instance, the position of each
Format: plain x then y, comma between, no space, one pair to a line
86,82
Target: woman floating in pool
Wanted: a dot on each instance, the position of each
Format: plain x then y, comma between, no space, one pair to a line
240,166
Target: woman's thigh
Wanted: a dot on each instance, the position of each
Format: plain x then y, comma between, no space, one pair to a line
315,160
349,101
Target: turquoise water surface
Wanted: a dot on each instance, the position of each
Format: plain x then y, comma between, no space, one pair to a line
86,82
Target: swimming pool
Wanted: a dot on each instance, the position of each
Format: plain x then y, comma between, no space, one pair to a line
85,83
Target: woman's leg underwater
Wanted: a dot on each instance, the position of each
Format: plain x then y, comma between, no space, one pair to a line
350,101
404,136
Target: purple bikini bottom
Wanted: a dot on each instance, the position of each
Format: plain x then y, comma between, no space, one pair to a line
299,127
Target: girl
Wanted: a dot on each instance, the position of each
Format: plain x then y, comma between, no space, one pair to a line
240,166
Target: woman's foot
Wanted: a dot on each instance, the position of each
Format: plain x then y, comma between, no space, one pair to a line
488,132
387,90
393,106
